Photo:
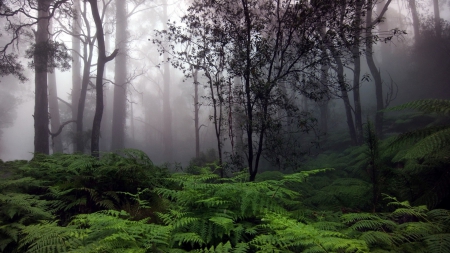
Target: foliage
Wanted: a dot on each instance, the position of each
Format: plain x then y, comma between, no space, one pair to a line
406,229
46,56
423,154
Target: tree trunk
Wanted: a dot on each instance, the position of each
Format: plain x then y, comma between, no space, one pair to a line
167,111
120,78
196,111
374,71
55,121
437,19
101,62
344,96
357,76
76,64
415,18
41,121
88,49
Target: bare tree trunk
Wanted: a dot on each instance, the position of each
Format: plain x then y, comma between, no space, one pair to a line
41,121
357,76
55,121
196,111
323,105
437,19
415,18
88,49
167,111
344,96
76,64
374,70
120,78
101,62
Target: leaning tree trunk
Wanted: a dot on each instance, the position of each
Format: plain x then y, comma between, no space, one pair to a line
344,96
41,121
101,62
120,78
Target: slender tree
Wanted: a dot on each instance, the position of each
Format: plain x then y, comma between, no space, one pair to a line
76,64
53,105
120,78
102,59
370,23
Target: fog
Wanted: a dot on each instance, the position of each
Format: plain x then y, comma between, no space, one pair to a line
146,125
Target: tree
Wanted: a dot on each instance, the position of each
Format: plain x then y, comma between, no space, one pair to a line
266,44
120,77
53,105
76,67
415,19
102,59
41,143
370,23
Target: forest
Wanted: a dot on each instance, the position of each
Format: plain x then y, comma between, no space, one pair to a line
225,126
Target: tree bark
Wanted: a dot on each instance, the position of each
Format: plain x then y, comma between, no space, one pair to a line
120,78
437,19
357,75
55,121
196,112
76,64
101,62
374,70
88,49
415,18
41,121
344,96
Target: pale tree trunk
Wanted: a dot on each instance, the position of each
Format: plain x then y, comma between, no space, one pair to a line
196,112
41,121
437,19
55,121
415,19
120,78
101,62
76,64
167,111
88,49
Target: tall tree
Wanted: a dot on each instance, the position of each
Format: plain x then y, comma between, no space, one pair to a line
167,111
437,19
53,105
120,78
76,64
370,23
41,121
415,19
102,59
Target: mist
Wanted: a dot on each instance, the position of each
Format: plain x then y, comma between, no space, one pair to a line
158,97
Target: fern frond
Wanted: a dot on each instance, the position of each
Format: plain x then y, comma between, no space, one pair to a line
189,237
439,106
438,243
